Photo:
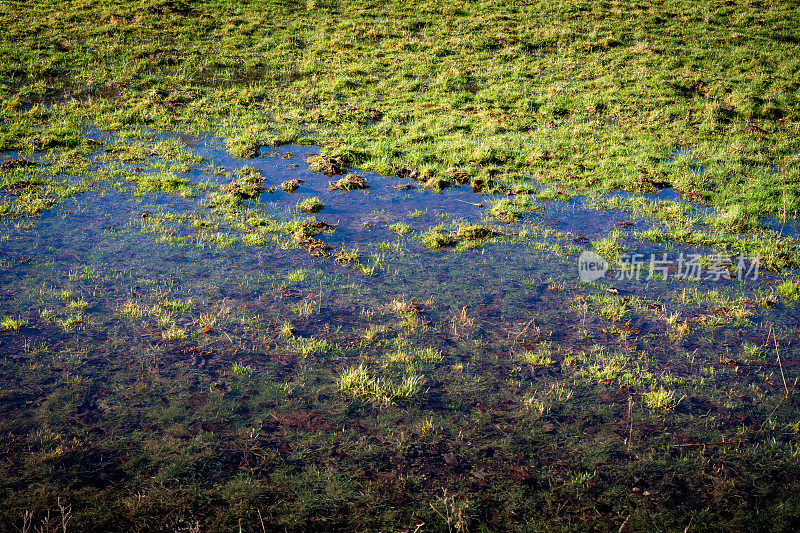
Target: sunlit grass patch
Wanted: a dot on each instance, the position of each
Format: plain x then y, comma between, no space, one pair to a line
358,383
434,238
790,290
174,333
78,305
63,295
12,325
70,323
429,355
401,306
542,356
349,183
346,257
610,247
310,205
165,182
374,331
288,331
305,309
311,346
507,210
297,276
180,306
253,240
400,228
473,232
242,370
614,307
661,400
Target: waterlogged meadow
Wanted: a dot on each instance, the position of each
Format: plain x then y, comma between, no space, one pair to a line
336,266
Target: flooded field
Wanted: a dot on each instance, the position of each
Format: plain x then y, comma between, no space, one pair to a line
197,342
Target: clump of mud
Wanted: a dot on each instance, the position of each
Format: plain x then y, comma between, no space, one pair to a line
21,187
291,185
350,182
17,163
305,237
248,185
330,166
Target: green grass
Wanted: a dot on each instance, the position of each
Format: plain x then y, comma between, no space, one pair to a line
357,382
661,401
241,370
435,238
165,182
400,228
610,247
473,232
583,98
542,356
507,210
580,97
12,325
310,205
789,289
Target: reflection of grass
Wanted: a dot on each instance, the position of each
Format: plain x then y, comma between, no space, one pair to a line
527,95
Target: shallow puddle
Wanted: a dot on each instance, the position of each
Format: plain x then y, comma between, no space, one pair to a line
163,346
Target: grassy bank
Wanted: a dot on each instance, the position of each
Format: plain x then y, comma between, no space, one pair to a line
580,95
